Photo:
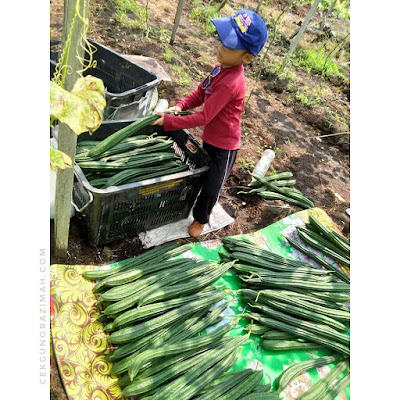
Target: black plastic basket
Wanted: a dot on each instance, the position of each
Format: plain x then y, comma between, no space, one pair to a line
126,83
120,211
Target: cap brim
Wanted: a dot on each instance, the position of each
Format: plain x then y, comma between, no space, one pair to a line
227,34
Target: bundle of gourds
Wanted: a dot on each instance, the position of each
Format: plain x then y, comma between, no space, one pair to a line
277,187
158,308
126,157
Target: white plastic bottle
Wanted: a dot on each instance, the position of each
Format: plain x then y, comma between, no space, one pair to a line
263,164
161,106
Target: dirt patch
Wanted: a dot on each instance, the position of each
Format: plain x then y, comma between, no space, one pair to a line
274,119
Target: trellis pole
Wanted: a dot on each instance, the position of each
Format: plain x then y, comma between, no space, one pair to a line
66,137
176,21
302,29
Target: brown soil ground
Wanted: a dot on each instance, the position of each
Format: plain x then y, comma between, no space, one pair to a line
321,166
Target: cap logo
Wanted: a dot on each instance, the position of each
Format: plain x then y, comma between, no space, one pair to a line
243,21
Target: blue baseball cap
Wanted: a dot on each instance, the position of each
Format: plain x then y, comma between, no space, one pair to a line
245,30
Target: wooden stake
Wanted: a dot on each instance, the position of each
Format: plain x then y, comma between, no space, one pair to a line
66,137
176,21
299,34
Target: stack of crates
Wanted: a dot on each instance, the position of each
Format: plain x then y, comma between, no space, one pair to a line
120,211
129,87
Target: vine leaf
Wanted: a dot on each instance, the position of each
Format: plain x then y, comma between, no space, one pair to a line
82,108
59,160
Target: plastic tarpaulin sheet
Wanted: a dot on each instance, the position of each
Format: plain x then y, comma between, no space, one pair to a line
80,344
219,218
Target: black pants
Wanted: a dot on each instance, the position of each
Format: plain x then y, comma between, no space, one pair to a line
220,167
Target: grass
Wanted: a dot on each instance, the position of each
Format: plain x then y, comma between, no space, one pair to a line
341,9
163,36
316,61
279,153
335,116
307,99
247,164
292,87
271,69
128,13
306,96
168,55
182,78
201,15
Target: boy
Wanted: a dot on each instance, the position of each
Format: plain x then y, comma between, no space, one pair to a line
242,37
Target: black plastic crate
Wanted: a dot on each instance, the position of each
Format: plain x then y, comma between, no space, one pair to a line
117,212
127,84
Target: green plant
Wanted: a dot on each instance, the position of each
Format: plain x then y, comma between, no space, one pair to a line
182,77
316,61
289,100
272,69
163,36
168,55
307,99
202,14
292,87
279,153
341,8
123,8
81,109
246,164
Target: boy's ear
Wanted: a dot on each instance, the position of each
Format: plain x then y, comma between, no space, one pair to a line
247,58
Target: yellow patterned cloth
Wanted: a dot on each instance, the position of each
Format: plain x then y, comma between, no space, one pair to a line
79,341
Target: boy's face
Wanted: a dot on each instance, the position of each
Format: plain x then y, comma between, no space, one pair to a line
229,58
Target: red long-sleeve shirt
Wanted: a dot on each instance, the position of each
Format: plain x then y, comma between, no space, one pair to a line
220,116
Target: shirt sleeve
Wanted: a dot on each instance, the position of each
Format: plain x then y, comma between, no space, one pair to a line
193,100
221,96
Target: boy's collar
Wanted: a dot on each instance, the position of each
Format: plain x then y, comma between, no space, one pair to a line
233,67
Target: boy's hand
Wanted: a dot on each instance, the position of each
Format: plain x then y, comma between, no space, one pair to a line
159,121
175,109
